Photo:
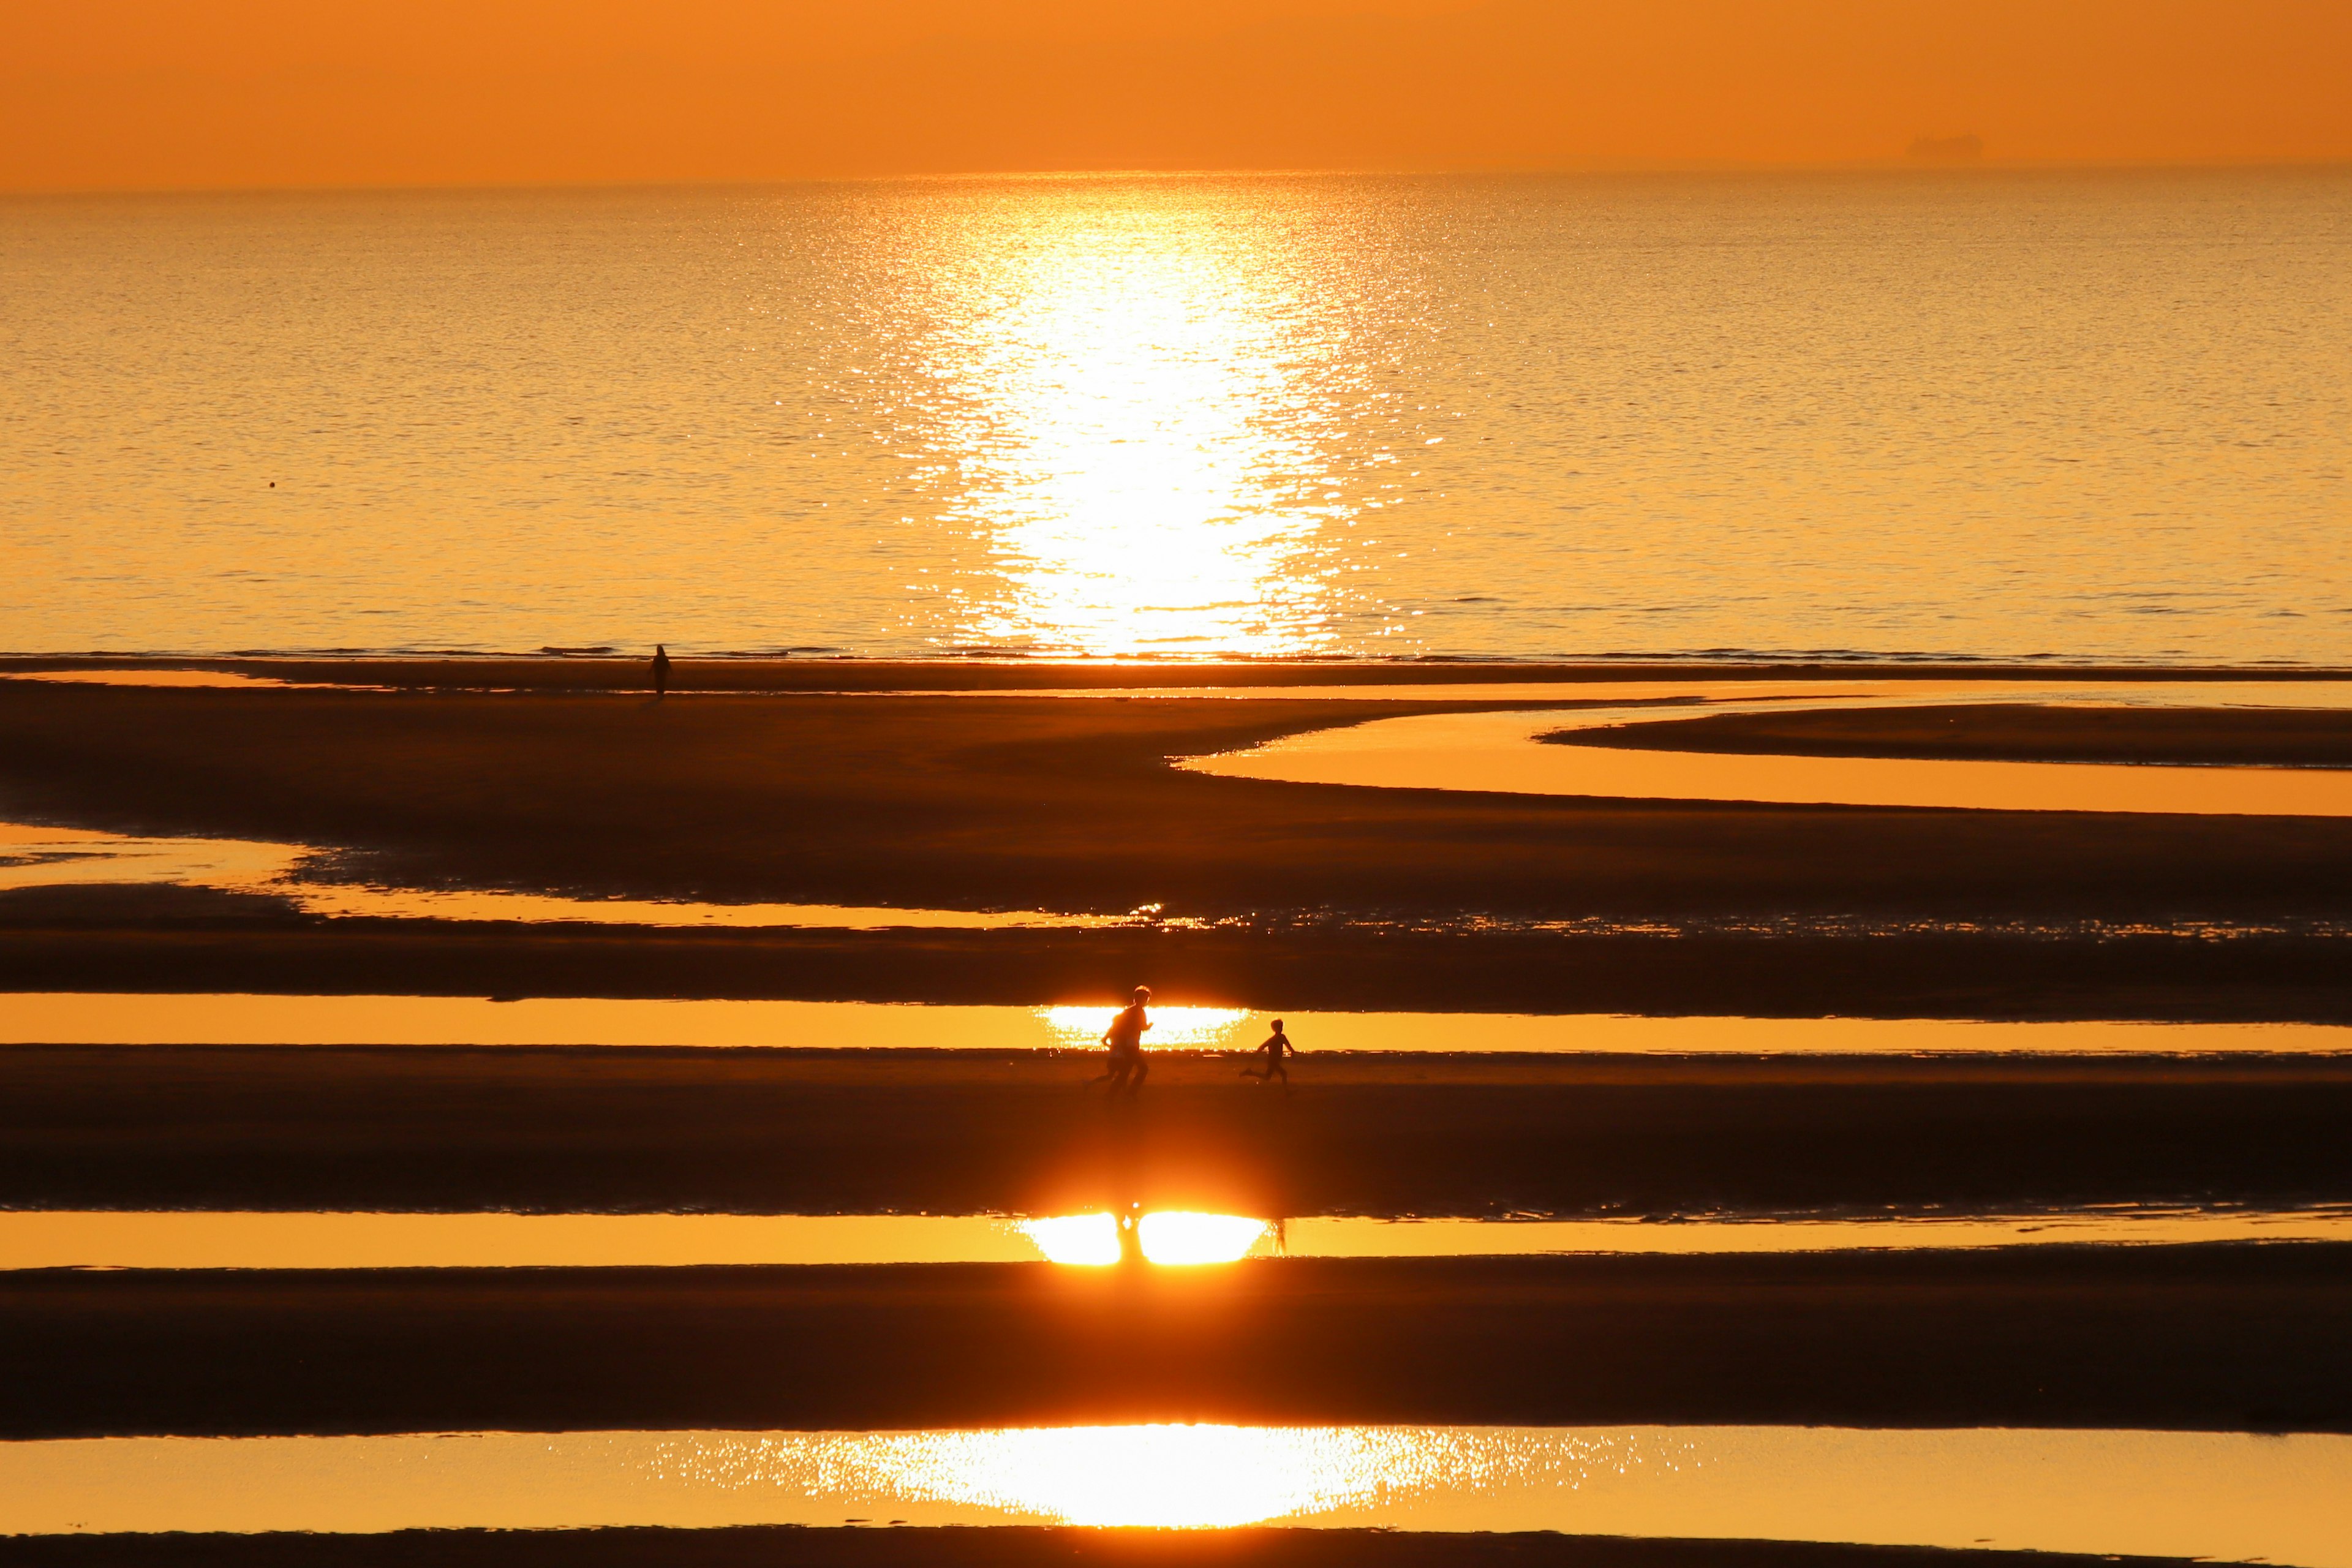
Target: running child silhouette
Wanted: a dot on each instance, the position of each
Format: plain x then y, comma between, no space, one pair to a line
1276,1046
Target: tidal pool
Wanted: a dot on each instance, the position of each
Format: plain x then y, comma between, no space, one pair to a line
1505,752
2225,1496
198,1239
223,1018
32,856
161,675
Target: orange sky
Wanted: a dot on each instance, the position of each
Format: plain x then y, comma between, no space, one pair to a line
178,93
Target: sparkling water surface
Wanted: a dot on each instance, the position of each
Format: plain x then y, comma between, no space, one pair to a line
2091,415
2232,1497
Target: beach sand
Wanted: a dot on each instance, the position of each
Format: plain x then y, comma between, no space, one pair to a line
1344,897
2011,732
104,939
2221,1337
1341,898
969,1132
1002,801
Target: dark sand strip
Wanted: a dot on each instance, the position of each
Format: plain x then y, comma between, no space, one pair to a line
130,939
2009,733
2207,1338
1004,802
969,1548
961,1133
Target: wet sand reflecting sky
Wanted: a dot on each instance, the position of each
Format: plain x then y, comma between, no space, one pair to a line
1505,752
2225,1496
37,856
186,1239
234,1018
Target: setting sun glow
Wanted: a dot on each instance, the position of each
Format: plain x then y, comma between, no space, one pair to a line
150,94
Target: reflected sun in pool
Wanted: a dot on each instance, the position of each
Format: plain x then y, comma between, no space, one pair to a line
1158,1477
1193,1028
1171,1237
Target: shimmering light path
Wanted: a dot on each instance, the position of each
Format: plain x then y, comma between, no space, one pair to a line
228,1018
1374,415
2186,1494
186,1239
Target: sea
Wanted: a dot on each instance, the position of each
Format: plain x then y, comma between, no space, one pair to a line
1975,413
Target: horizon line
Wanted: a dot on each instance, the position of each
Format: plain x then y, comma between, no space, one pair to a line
1616,168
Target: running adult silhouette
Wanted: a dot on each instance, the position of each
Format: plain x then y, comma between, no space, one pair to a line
661,671
1125,1038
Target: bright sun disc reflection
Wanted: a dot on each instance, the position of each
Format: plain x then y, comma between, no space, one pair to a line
1173,1238
1082,1240
1202,1028
1178,1236
2199,1496
1165,1477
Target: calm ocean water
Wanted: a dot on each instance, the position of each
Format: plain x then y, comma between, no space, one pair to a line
2102,417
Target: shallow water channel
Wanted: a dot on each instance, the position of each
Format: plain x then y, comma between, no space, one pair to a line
226,1018
197,1239
32,856
2215,1495
1506,752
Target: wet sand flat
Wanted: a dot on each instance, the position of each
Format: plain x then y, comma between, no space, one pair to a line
2207,1337
2275,738
962,1132
1005,802
2224,1496
1340,898
173,940
362,1018
248,1238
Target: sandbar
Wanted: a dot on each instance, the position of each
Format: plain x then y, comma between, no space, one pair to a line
2226,1338
1012,803
753,1131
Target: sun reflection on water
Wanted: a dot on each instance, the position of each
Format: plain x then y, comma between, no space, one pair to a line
1177,1236
1171,1237
2210,1496
1153,1477
1080,1240
1135,440
1199,1028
